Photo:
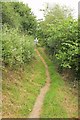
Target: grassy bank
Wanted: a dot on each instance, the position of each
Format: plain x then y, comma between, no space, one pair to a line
21,88
60,101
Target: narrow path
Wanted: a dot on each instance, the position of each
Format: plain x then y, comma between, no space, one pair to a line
39,101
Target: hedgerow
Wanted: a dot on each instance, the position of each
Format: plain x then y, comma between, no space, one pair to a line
59,33
17,49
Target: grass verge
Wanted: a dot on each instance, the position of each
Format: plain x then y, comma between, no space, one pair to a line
20,89
59,101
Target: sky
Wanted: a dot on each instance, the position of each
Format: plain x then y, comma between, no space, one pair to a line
36,5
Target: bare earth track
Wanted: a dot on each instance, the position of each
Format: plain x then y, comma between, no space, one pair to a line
39,101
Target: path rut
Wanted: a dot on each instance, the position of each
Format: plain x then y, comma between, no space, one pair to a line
39,101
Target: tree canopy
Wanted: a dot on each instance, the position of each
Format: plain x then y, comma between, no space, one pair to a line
59,33
18,15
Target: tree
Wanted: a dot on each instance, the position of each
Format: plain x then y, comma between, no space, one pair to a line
60,34
19,15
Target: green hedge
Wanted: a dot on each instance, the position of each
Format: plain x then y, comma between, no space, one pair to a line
17,48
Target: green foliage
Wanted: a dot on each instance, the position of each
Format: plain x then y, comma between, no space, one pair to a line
17,49
21,88
19,24
9,16
60,91
18,15
59,33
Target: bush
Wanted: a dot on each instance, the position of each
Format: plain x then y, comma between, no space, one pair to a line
17,49
59,33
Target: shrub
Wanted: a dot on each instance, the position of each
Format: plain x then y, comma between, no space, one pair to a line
17,48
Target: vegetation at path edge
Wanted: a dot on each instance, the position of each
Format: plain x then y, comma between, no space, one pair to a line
60,101
21,88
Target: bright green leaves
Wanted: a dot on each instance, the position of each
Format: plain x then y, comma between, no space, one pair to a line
17,49
60,36
68,51
18,24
